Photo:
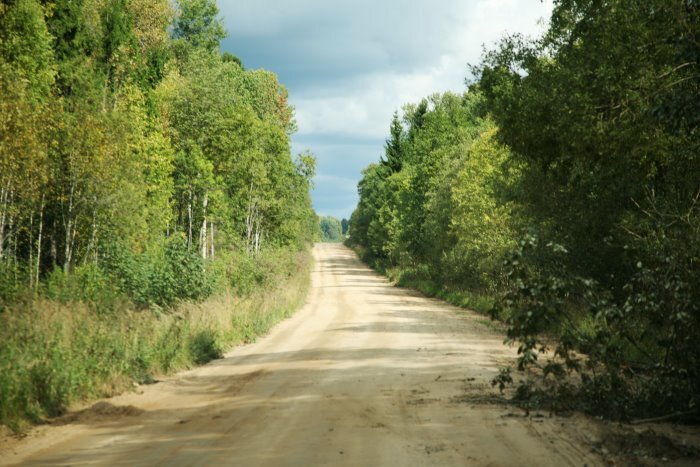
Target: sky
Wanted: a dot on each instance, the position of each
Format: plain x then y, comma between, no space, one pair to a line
348,65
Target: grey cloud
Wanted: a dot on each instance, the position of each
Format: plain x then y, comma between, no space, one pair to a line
312,42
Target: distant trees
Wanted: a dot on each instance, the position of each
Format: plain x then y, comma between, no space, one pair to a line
129,144
331,229
566,181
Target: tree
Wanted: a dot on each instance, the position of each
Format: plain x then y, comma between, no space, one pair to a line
392,147
601,115
125,136
594,124
198,24
27,74
331,231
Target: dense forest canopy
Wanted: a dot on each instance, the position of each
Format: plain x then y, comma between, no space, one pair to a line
134,152
564,186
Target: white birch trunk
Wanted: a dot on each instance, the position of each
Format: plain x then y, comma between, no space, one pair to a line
92,246
5,196
38,243
3,211
68,250
31,250
189,221
203,233
211,242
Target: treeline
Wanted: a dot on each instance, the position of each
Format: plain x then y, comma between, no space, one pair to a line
141,172
133,153
332,230
562,191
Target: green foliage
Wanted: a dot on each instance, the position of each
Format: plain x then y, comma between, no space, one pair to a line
11,283
118,141
584,114
608,151
442,210
198,23
640,357
204,347
331,229
87,283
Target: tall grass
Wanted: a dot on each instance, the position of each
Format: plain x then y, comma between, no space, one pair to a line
55,353
418,278
479,301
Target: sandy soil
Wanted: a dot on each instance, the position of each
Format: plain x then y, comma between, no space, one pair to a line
364,374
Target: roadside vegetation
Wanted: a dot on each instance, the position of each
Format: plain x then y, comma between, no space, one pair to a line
561,192
151,214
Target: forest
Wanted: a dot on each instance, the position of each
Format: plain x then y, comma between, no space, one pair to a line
331,229
142,171
561,193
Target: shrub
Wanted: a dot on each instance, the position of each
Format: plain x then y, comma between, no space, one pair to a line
641,355
86,283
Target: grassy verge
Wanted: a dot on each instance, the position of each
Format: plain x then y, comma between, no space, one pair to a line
473,300
476,301
53,354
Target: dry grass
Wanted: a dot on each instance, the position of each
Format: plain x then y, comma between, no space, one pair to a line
53,354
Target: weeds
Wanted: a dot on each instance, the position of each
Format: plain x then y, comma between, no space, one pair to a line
55,352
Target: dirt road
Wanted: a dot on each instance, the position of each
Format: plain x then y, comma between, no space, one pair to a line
365,374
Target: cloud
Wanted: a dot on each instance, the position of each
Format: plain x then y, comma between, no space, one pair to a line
365,106
316,41
350,64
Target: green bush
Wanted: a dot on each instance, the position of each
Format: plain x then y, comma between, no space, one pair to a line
204,346
161,277
634,348
55,352
86,283
186,277
11,282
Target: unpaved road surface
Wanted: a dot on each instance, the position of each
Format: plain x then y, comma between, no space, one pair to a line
365,374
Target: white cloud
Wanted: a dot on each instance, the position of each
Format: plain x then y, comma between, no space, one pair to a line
362,106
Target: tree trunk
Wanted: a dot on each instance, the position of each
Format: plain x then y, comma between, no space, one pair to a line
38,243
211,243
203,233
31,249
189,221
5,197
12,239
69,226
251,219
258,236
92,246
53,252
